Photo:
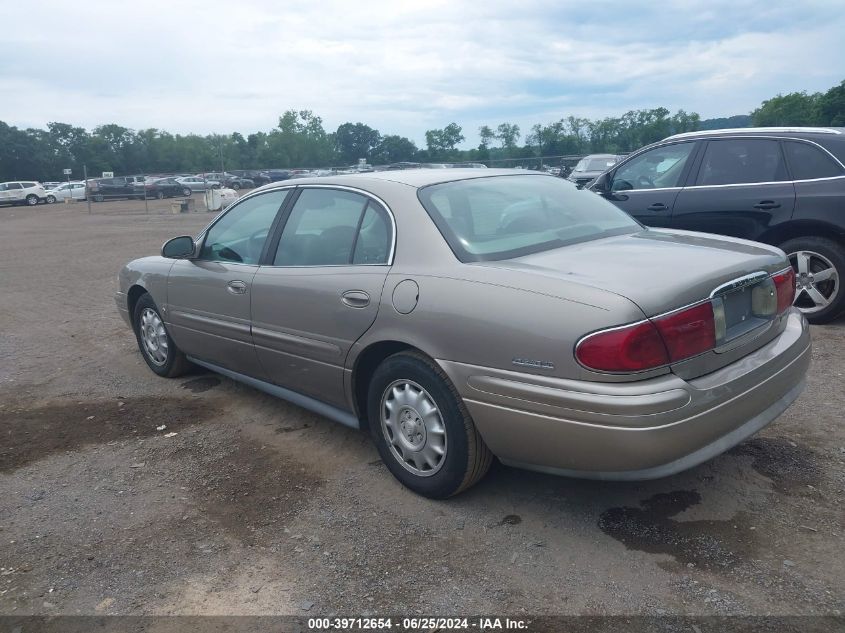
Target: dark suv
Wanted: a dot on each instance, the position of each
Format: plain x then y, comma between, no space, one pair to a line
782,186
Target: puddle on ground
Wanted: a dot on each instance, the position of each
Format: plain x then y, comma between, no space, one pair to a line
29,435
201,384
712,545
791,467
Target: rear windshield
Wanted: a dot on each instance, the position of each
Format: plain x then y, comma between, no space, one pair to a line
501,217
595,164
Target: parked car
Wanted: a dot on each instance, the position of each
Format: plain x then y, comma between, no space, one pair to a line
197,183
52,184
164,188
277,175
781,186
74,190
22,192
586,170
230,181
257,177
100,189
465,313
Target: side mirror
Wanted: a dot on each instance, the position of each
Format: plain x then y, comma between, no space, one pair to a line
181,247
601,184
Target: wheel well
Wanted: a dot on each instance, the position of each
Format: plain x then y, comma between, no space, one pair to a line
779,234
366,363
132,297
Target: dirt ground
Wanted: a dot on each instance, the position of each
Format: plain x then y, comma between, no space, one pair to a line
255,506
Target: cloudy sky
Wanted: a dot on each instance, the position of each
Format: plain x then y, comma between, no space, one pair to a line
404,67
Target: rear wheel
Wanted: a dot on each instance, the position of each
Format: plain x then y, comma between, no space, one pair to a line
186,192
157,348
32,199
422,429
236,186
819,264
160,195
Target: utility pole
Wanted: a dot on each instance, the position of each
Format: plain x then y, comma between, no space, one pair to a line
87,193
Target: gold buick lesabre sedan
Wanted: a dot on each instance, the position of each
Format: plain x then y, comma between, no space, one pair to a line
460,314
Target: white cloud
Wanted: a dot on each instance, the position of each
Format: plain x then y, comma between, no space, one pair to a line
403,67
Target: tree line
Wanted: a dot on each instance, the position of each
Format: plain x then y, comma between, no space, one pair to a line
301,140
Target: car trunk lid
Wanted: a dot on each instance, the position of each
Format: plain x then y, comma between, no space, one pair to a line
664,270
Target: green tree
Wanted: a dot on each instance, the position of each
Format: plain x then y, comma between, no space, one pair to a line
393,149
831,107
442,143
795,108
356,140
508,135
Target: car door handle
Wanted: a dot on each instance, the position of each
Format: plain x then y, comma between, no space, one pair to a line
657,206
356,298
236,287
767,204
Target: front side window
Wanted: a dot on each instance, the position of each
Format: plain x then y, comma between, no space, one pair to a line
808,161
240,234
331,227
501,217
740,161
657,168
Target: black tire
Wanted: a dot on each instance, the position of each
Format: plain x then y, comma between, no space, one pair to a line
32,200
186,192
834,253
160,195
176,363
236,186
51,199
467,458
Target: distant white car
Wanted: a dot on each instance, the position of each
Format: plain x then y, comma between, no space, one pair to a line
74,190
197,183
22,192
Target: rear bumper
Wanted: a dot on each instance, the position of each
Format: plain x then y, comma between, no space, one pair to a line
640,430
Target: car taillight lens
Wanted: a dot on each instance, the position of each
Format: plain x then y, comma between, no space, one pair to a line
650,344
785,285
688,332
632,348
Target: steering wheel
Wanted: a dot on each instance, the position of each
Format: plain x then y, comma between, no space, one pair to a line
645,181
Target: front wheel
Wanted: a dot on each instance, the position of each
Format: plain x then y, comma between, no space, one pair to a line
157,348
186,192
422,429
32,199
819,264
51,199
236,186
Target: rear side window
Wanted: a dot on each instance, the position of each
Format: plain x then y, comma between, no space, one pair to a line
741,160
808,161
330,227
27,185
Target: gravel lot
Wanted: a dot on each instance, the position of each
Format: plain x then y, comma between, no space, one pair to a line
258,507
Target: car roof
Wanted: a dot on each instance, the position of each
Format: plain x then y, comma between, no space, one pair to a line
416,178
776,131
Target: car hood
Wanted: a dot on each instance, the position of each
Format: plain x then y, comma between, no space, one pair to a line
659,270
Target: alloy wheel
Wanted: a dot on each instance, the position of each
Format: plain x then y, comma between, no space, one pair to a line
816,281
413,427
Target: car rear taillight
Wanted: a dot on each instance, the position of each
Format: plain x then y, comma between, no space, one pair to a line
650,344
688,332
785,285
630,348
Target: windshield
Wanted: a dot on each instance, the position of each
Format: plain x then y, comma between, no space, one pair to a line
595,164
502,217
